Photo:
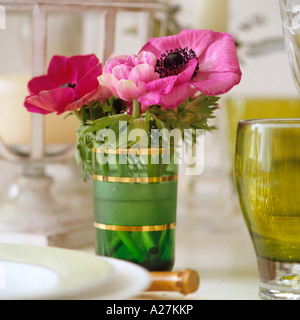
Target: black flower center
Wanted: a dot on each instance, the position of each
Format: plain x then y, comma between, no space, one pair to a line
68,85
174,62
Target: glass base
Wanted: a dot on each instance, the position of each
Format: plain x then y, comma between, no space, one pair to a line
279,280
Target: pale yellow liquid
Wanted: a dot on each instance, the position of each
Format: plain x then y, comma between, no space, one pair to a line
268,184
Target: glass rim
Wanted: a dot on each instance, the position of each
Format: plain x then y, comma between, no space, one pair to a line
270,121
286,5
282,4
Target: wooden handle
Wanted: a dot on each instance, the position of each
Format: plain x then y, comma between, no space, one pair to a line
185,281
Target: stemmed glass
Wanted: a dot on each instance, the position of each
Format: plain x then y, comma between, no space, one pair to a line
267,176
290,14
267,172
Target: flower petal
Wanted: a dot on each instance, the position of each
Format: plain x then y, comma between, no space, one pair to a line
32,108
132,61
144,108
160,45
162,85
217,83
38,84
177,96
109,81
220,56
62,70
100,93
186,75
54,100
143,72
150,98
170,100
121,71
128,90
111,63
147,57
88,82
219,68
84,63
199,40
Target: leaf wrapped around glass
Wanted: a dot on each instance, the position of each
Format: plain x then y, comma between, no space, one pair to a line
135,206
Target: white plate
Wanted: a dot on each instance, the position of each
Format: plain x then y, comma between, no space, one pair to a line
33,272
128,281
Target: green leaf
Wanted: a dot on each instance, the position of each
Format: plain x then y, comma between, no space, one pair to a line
102,123
192,113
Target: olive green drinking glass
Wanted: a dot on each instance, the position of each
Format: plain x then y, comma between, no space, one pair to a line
267,176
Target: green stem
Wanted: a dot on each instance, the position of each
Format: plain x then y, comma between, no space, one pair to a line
136,109
126,239
76,113
114,245
104,169
168,248
121,167
162,238
147,239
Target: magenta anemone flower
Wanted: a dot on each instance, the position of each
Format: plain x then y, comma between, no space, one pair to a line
68,85
126,76
204,59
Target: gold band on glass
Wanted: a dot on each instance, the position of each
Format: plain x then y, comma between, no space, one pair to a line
136,179
161,227
137,151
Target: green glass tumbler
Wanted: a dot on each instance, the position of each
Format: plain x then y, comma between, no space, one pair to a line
267,175
135,208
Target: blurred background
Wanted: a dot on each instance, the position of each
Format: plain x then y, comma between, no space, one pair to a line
266,90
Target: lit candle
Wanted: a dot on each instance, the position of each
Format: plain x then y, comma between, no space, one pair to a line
15,120
211,14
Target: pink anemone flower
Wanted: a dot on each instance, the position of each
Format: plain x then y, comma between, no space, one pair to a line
69,84
204,59
126,76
